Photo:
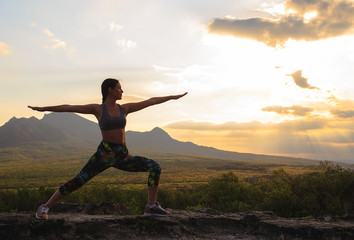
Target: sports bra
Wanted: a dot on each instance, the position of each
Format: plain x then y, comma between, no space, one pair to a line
107,122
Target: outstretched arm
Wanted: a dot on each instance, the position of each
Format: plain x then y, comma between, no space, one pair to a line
86,109
133,107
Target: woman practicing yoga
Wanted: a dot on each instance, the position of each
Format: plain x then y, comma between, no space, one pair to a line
112,151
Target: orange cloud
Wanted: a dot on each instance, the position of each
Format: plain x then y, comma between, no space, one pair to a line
343,114
293,110
342,108
131,98
4,49
334,18
321,138
300,80
57,43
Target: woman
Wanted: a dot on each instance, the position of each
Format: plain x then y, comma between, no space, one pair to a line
112,151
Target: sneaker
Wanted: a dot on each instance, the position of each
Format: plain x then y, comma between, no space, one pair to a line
156,210
42,212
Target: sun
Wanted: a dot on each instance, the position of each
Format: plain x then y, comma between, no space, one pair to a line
255,70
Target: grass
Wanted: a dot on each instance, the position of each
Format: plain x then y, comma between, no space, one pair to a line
43,167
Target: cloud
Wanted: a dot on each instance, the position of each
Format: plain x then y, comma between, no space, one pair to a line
300,80
167,70
293,110
301,125
48,33
114,27
4,49
56,43
193,125
343,114
308,20
126,44
131,98
341,108
320,138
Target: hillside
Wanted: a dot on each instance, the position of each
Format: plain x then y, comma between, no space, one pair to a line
68,130
78,127
157,140
21,131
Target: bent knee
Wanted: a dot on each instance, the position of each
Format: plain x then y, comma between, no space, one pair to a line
156,167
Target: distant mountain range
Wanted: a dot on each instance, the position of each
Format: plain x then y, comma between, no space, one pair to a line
52,128
74,130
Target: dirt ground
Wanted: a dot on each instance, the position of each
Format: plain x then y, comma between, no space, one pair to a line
198,224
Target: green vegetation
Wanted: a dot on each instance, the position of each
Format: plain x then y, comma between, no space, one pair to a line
33,167
308,194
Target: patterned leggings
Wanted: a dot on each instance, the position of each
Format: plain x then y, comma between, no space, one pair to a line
113,155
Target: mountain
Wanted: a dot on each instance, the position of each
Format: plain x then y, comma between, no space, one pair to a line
157,140
77,126
21,131
70,129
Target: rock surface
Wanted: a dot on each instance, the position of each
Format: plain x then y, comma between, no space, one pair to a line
198,224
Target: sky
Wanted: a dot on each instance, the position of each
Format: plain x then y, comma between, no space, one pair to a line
266,77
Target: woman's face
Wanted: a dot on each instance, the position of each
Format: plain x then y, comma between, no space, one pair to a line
117,91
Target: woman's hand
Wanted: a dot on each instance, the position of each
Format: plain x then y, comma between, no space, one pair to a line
40,109
178,96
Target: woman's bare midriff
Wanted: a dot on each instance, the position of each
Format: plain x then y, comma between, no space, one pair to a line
116,136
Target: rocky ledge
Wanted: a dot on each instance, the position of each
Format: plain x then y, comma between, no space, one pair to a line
198,224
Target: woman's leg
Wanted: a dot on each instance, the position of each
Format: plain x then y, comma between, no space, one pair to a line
56,197
93,167
96,164
142,164
100,161
152,194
